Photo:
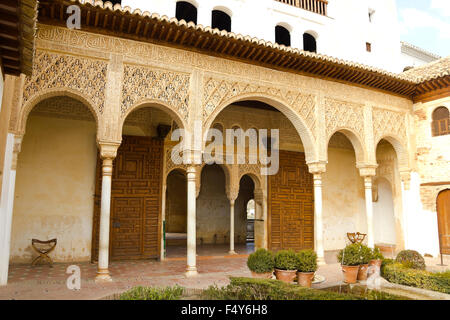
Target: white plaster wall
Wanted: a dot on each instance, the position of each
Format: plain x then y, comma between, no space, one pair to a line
54,189
343,199
343,33
383,214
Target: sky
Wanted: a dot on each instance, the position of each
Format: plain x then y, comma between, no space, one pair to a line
426,24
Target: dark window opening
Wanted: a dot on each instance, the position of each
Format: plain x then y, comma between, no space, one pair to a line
114,2
186,11
368,47
441,122
282,36
309,43
221,20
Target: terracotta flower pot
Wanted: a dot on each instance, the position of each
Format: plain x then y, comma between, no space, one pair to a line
266,275
305,279
350,273
362,272
287,276
376,263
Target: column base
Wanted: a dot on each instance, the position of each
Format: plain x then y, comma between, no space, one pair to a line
232,252
103,276
191,272
321,261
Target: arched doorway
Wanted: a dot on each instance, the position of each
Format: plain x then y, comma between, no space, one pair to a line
245,215
175,226
55,181
443,212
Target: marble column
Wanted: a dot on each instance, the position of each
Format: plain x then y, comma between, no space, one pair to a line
318,169
191,269
368,172
108,153
232,228
13,147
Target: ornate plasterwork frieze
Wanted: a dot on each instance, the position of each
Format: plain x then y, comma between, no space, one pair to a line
344,115
61,71
142,83
389,123
217,91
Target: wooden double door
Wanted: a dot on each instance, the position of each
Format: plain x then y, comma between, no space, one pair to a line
291,204
135,200
443,211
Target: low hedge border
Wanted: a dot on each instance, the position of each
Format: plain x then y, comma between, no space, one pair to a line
398,273
264,289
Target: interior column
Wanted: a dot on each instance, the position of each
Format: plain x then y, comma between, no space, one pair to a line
191,269
232,227
108,153
368,172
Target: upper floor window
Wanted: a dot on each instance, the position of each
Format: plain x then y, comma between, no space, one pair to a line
441,122
368,47
221,20
282,36
371,15
309,43
186,11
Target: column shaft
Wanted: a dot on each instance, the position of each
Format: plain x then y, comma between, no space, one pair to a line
191,269
232,227
105,217
369,211
318,218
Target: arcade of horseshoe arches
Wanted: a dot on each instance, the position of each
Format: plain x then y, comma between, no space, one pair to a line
91,148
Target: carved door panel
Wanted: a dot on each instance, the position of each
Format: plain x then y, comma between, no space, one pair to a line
291,204
135,200
443,210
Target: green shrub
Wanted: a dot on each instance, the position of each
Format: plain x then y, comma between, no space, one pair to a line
264,289
307,261
149,293
365,254
351,255
286,260
397,273
411,259
261,261
376,254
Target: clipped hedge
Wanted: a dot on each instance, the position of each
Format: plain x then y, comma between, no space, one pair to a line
264,289
398,273
411,259
149,293
261,261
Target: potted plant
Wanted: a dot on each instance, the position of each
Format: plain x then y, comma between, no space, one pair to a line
261,264
307,266
350,259
365,257
286,262
376,258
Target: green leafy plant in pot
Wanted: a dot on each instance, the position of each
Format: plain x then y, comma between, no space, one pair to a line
307,266
365,257
376,258
286,262
261,264
350,259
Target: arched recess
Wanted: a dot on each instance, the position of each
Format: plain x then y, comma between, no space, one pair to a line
221,19
400,150
310,41
227,170
298,122
53,93
151,103
283,35
357,143
187,10
384,212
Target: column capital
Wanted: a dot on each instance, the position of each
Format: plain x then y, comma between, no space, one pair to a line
108,149
367,170
318,167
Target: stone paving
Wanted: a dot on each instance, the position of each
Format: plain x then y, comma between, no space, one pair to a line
46,283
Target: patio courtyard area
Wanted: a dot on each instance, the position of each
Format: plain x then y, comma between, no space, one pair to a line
46,283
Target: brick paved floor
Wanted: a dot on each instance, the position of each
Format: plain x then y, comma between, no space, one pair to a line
45,283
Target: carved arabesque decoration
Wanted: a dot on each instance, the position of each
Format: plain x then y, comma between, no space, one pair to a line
53,71
141,83
342,114
388,123
217,91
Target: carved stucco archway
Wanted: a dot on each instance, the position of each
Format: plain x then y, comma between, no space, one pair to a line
400,150
357,143
304,127
20,125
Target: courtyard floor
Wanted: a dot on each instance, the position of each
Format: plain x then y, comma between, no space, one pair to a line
46,283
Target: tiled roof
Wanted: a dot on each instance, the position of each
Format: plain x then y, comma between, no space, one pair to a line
433,70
